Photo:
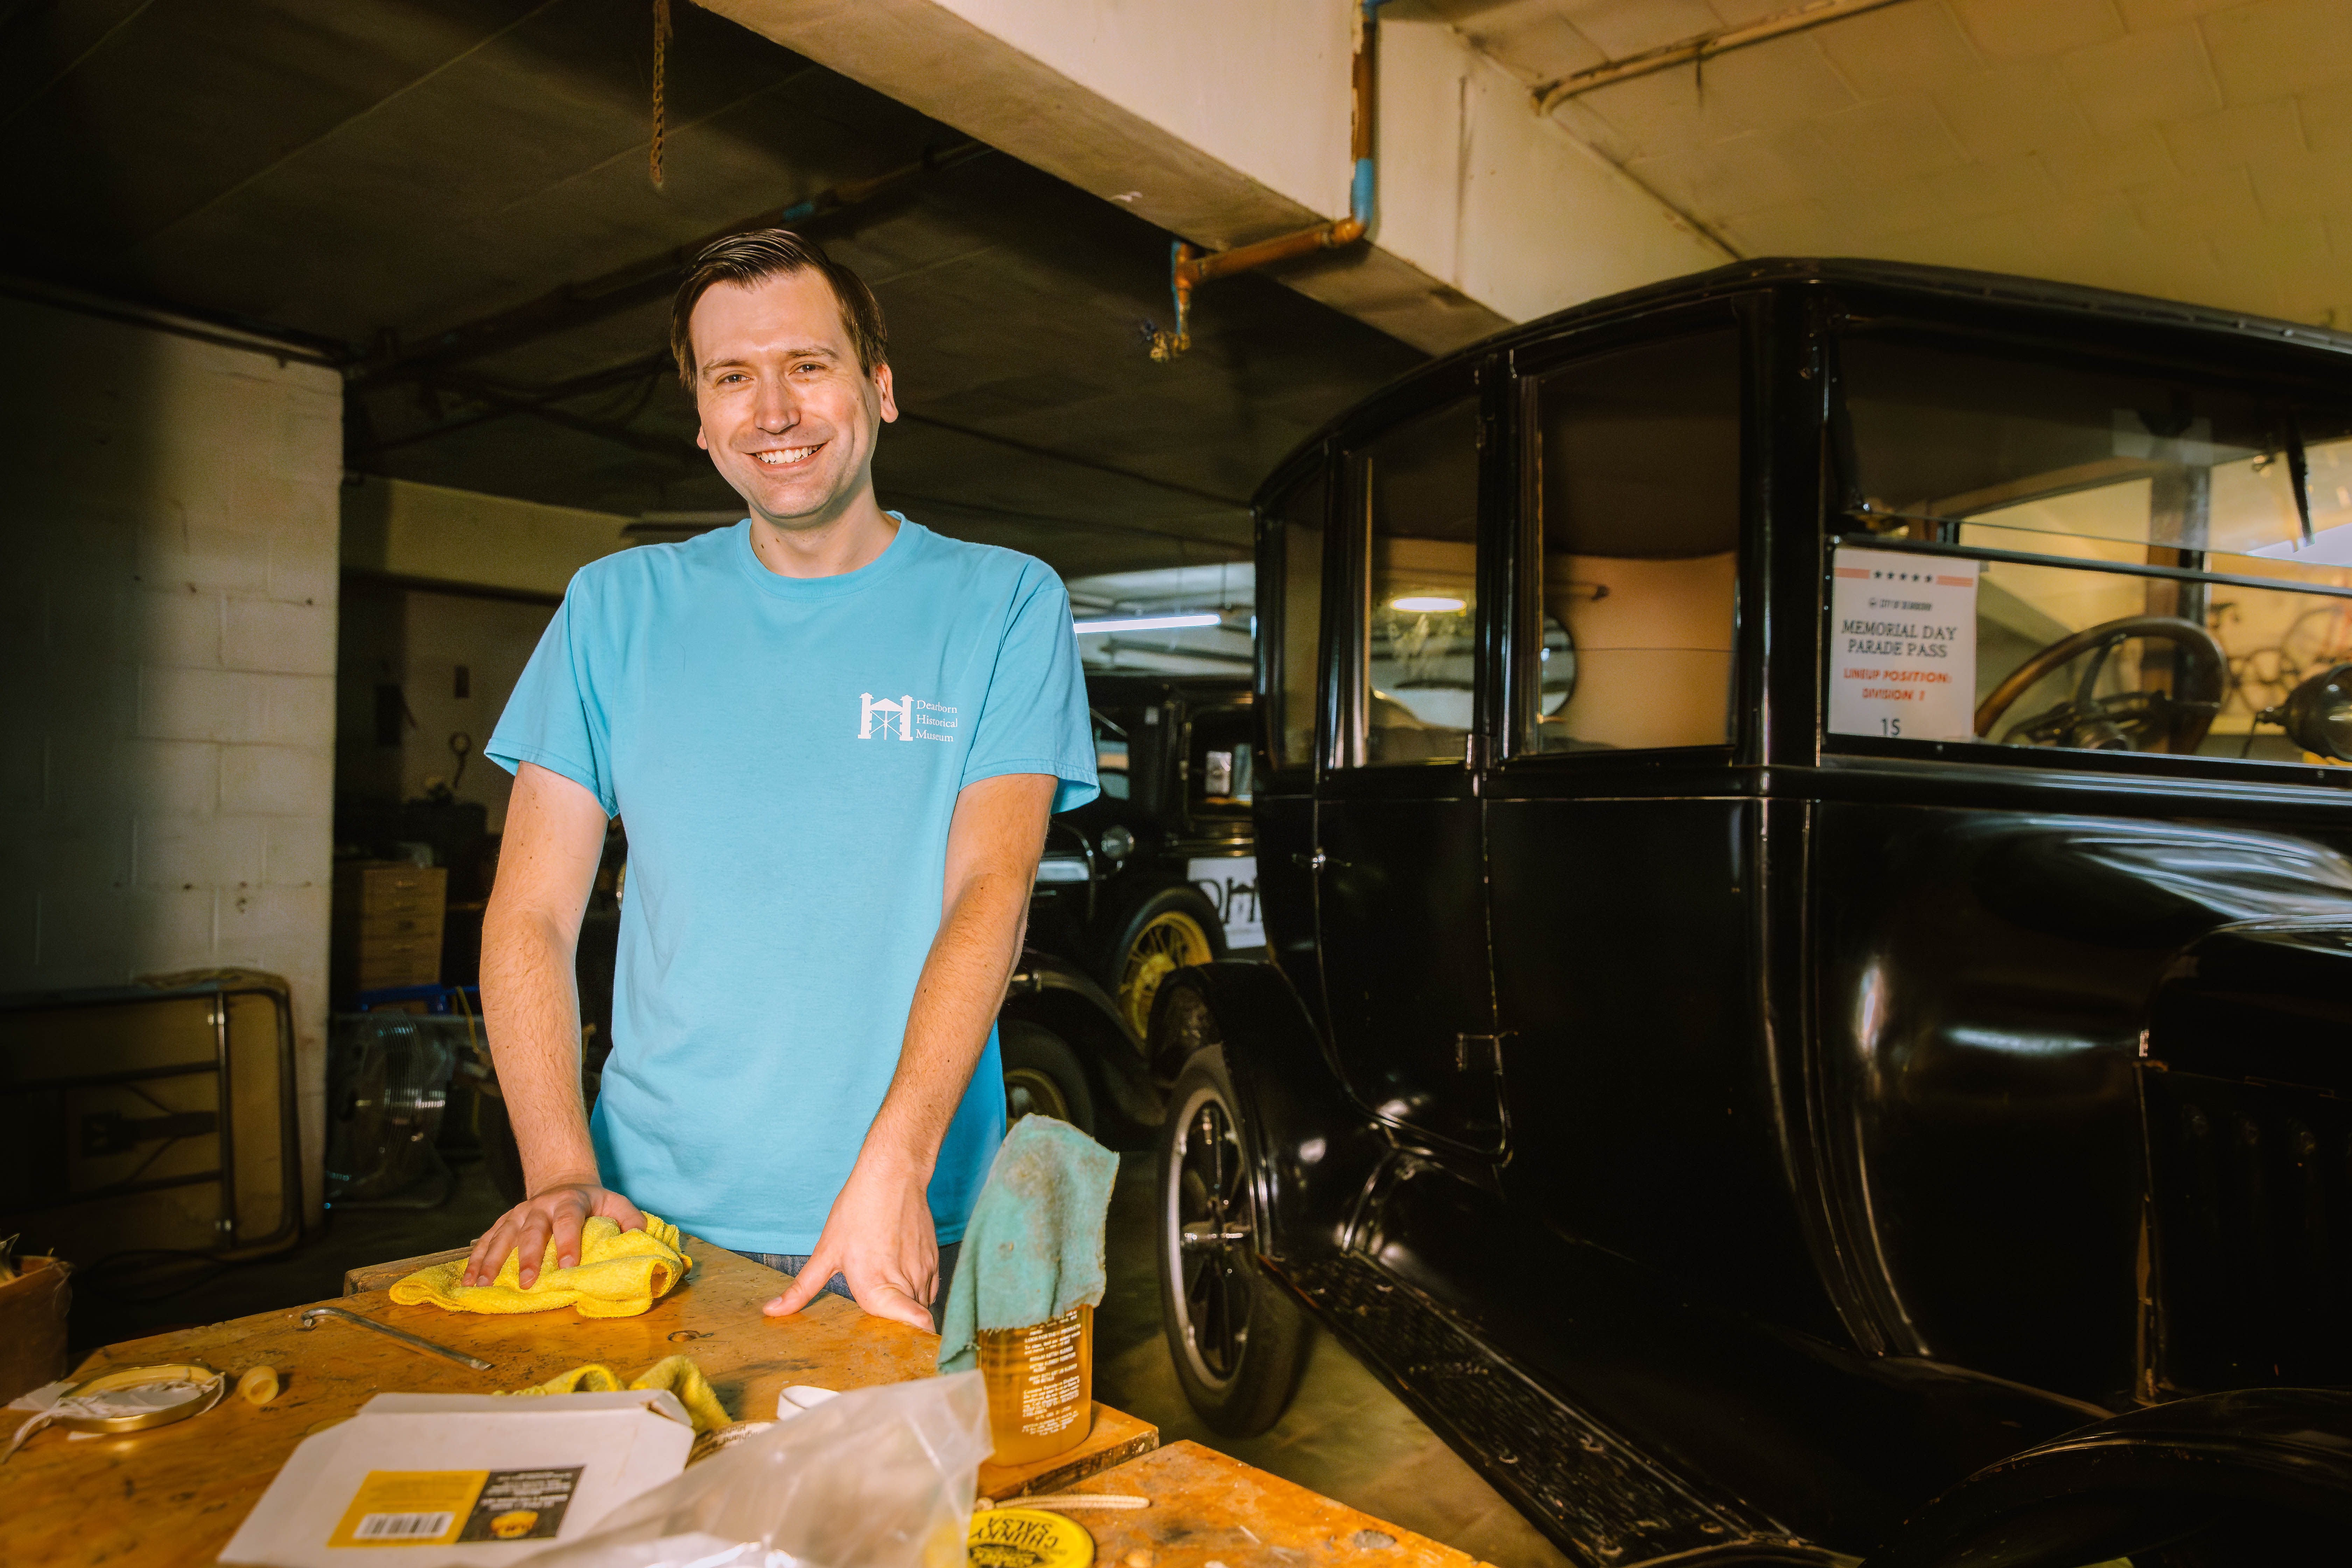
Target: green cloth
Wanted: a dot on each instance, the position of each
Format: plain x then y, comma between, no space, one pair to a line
1034,1247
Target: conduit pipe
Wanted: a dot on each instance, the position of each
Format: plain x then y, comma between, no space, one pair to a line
1705,47
1190,268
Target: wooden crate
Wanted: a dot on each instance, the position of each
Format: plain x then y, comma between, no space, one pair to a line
387,925
32,1327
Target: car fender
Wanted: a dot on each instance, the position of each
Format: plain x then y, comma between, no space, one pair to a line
1314,1150
2277,1458
1056,995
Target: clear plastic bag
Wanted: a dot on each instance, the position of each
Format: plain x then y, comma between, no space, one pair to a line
880,1477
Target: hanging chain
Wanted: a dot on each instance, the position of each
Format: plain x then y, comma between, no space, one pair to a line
661,64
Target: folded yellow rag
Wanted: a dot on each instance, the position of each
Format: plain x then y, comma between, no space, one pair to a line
620,1274
676,1373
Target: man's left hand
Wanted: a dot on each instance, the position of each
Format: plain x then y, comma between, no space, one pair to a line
880,1238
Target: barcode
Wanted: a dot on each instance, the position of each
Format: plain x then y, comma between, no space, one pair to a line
401,1526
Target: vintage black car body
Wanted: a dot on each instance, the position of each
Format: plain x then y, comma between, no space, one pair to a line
1160,869
1746,1138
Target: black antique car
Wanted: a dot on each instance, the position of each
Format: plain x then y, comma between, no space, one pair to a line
1808,870
1158,870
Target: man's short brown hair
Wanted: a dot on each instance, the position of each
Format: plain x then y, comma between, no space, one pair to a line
763,253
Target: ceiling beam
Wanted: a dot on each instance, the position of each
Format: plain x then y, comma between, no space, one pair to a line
1238,548
624,288
1703,47
496,402
1052,456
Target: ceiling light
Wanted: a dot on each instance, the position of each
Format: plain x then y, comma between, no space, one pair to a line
1427,603
1146,624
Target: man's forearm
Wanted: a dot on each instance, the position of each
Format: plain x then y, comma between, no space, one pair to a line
956,999
530,1003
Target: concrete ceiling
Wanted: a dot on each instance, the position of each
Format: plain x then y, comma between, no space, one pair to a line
375,172
2197,149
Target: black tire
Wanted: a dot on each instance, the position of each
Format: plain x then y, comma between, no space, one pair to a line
1043,1076
1133,984
1237,1337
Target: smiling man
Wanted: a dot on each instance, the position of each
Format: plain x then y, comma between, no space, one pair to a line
835,737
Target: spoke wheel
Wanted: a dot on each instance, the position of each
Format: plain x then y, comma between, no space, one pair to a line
1214,1234
1236,1335
1169,942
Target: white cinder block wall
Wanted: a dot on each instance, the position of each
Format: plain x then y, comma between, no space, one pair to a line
170,524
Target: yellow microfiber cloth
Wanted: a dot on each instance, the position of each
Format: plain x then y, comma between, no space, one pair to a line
676,1373
620,1274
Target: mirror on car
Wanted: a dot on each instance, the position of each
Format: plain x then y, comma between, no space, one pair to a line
2317,714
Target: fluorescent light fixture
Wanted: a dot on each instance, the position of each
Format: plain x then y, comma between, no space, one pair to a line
1429,603
1146,624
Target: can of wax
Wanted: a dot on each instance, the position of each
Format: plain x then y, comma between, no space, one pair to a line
1041,1387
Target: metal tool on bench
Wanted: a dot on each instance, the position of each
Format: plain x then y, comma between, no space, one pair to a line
311,1315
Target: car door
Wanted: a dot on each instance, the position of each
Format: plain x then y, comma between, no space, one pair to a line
1401,858
1623,834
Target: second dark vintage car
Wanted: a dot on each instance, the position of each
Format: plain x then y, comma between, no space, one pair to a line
1808,868
1158,870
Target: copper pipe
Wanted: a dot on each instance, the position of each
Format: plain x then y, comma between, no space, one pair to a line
1201,266
1189,268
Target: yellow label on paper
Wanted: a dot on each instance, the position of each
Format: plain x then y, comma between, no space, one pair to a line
409,1507
437,1508
1029,1537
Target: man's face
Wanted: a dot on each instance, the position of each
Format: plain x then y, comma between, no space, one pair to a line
787,416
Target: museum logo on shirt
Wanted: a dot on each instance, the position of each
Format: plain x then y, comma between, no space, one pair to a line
905,719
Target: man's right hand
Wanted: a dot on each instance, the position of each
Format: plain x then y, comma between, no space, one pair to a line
557,1210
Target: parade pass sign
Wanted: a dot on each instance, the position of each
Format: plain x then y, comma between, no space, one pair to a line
1903,646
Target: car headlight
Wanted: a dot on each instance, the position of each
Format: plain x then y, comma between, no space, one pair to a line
1118,843
1061,869
2317,715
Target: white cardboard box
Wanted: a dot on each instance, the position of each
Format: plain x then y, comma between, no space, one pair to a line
424,1479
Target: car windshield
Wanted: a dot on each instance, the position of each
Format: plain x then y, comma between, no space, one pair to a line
1222,762
2043,553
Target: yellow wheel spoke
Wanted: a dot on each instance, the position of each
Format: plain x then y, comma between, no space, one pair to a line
1169,943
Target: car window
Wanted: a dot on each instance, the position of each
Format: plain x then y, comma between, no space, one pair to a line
1221,767
1297,528
1637,456
1110,757
2083,557
1420,482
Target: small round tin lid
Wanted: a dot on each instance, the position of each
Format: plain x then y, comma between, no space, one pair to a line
1029,1537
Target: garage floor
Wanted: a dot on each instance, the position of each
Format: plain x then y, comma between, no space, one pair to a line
1345,1436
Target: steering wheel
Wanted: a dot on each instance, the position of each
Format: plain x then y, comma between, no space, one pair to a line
2173,721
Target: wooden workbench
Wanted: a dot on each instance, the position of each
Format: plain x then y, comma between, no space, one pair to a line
1207,1509
173,1496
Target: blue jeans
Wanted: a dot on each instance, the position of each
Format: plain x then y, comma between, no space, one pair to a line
792,1263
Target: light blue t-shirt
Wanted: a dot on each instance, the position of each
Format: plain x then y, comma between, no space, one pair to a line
785,753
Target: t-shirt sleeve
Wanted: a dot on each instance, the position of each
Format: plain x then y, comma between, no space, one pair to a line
554,717
1033,718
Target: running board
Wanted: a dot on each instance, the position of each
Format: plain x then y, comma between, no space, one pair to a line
1600,1500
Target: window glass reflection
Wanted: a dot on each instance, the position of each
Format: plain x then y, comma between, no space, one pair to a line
2093,468
1422,481
1639,486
